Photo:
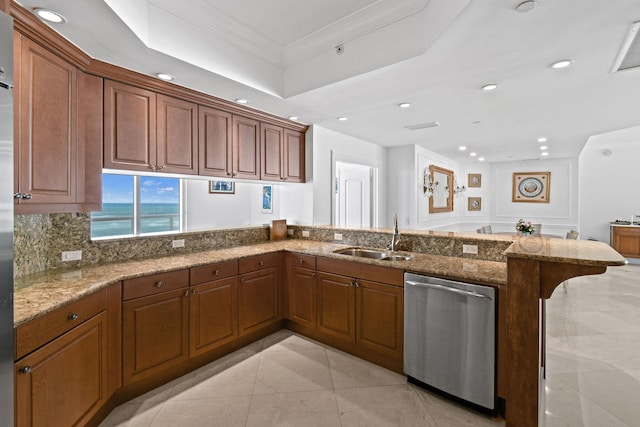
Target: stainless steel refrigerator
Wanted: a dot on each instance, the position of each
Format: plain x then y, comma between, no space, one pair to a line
6,220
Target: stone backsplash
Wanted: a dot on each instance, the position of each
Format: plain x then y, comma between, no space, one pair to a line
39,241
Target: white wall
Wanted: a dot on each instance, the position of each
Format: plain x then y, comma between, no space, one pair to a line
609,184
557,217
328,144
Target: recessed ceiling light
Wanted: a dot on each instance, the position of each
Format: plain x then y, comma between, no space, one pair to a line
294,118
526,6
462,148
543,147
49,15
563,63
242,101
342,119
490,86
481,159
476,122
164,76
473,154
542,139
545,153
404,105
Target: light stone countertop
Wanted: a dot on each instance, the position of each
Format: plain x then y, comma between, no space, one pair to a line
581,252
41,293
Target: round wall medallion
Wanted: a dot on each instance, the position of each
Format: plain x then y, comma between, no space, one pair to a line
530,187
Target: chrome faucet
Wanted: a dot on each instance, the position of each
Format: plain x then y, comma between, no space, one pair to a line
395,239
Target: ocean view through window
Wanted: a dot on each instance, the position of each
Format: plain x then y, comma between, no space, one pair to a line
135,205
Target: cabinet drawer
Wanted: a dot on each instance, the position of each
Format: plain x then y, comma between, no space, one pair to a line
304,261
154,284
388,275
216,271
259,262
43,329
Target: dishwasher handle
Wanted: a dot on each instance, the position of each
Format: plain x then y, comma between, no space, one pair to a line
448,289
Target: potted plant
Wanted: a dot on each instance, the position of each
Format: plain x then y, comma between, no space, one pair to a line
525,227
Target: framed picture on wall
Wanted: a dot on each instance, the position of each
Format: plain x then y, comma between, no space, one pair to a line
222,187
531,187
267,199
474,204
475,180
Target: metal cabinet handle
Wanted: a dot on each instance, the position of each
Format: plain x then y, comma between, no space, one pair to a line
447,289
27,196
193,291
153,167
159,284
186,293
350,282
160,167
25,369
73,316
229,174
216,273
313,274
242,280
357,284
261,263
17,196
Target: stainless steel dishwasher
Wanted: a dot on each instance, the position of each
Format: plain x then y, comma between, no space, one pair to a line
449,337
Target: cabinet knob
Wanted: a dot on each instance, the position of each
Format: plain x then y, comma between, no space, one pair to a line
73,316
193,291
159,284
350,282
357,284
313,274
229,174
160,167
27,196
17,196
186,293
216,273
301,262
153,167
25,369
261,263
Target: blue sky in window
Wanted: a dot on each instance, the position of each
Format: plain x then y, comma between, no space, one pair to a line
119,189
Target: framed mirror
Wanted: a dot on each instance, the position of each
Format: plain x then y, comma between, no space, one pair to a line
442,198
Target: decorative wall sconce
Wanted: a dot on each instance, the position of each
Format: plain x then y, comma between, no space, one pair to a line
457,190
429,186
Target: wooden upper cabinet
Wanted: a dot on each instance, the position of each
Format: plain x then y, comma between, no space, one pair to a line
294,156
272,146
58,134
129,127
246,148
177,135
283,155
215,142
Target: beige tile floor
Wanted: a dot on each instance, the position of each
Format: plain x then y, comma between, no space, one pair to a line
593,376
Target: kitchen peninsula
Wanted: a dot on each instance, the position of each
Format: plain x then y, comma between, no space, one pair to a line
551,260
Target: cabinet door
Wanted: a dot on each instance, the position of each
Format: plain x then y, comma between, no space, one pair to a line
259,305
271,146
302,296
626,240
246,148
47,140
177,135
154,334
380,317
129,127
216,142
90,132
294,156
64,383
213,319
336,306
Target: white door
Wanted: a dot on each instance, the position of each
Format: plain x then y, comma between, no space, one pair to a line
353,195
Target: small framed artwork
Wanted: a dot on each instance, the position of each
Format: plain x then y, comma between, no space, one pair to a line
531,187
222,187
475,180
267,199
474,203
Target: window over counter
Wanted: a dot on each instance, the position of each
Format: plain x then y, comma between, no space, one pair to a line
134,205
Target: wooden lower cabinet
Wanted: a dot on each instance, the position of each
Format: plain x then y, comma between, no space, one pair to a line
154,334
336,306
302,296
259,297
626,240
64,383
213,315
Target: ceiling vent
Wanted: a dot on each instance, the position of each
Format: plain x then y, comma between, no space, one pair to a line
629,56
423,126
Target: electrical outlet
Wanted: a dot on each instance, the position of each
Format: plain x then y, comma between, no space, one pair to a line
289,231
470,249
305,233
71,256
337,236
177,243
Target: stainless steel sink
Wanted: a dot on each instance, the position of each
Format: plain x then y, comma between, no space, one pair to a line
372,254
